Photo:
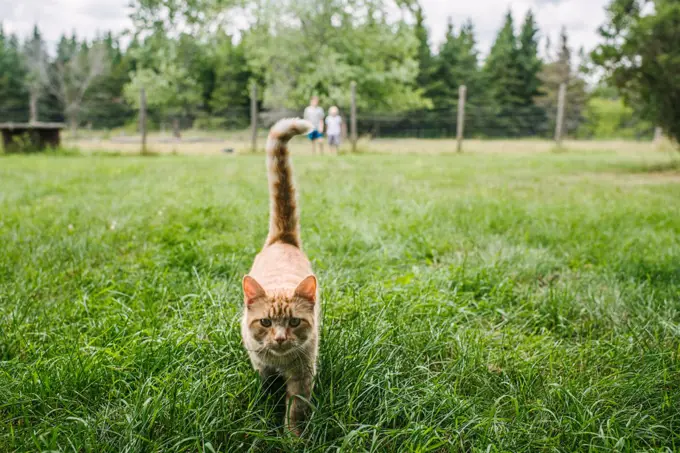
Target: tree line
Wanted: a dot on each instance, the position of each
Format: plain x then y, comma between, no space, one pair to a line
196,73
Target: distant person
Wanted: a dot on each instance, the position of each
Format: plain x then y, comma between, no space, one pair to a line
334,128
314,114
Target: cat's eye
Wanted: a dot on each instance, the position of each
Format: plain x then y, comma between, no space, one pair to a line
294,322
266,322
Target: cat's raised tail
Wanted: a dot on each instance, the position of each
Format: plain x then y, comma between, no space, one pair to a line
284,225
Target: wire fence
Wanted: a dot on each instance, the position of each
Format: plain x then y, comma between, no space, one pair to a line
116,120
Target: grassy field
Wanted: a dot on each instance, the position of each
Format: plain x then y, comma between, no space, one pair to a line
208,143
477,303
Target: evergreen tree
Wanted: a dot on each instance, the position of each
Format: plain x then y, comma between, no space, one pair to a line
66,48
563,63
230,99
640,54
468,72
552,75
424,51
76,70
503,73
194,55
456,64
443,88
104,103
36,62
13,94
532,116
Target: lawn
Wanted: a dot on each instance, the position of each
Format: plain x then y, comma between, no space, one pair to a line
475,302
206,143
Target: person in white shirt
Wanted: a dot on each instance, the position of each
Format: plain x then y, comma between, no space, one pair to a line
314,114
334,128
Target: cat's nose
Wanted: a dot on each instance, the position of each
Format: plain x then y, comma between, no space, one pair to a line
280,335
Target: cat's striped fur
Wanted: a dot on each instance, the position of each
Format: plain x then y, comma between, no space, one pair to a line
280,325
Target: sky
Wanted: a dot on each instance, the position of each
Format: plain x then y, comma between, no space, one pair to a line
87,17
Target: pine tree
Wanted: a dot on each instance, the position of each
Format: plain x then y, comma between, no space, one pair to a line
640,53
424,51
552,75
532,117
230,98
105,102
36,61
564,56
13,94
443,88
502,69
456,64
75,73
468,72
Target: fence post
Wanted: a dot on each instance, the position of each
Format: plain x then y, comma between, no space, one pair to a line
460,125
253,117
142,118
353,116
561,100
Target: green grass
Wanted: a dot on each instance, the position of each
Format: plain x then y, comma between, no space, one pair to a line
471,303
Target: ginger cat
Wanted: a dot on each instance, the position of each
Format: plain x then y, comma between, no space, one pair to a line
280,324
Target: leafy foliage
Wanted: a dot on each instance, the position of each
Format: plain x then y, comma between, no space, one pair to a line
197,65
641,55
232,76
609,118
172,87
310,47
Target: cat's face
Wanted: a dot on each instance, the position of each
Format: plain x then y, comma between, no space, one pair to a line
280,323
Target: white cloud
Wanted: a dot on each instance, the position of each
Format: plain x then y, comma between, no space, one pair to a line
88,17
57,17
580,17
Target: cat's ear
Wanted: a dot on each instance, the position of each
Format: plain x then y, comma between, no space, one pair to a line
252,290
307,288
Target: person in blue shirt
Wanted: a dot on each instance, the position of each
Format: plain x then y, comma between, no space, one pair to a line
315,115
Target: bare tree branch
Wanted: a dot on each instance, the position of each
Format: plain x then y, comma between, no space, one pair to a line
71,79
36,61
